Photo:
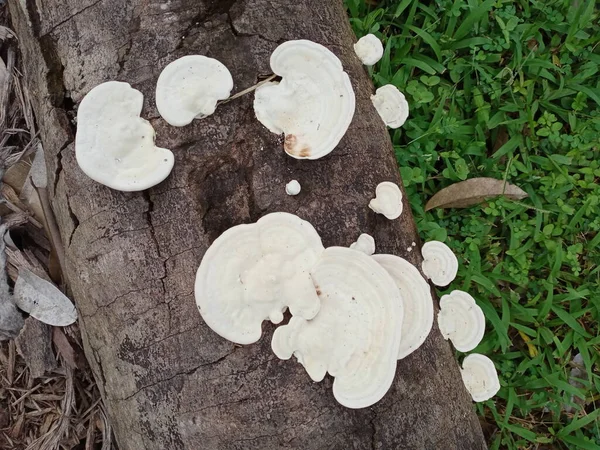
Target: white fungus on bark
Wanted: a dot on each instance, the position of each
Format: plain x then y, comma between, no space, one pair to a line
369,49
388,200
254,272
355,337
439,263
416,300
461,320
293,188
480,377
391,105
312,105
114,145
365,243
190,87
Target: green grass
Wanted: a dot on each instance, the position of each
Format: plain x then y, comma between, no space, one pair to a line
510,89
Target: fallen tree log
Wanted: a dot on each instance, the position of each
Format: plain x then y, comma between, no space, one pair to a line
167,380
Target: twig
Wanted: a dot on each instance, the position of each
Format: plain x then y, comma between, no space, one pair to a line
247,91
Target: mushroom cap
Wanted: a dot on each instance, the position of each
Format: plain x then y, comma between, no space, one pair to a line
253,272
365,243
391,105
461,320
313,104
356,335
293,188
480,377
369,49
417,302
439,263
114,145
388,200
190,87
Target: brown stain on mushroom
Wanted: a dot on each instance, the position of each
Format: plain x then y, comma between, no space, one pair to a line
318,290
290,145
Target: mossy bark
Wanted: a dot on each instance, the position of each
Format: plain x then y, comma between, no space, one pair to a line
167,380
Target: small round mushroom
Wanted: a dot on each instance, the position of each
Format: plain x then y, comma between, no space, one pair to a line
416,300
356,335
254,272
313,104
293,188
365,243
480,377
369,49
391,105
388,200
114,145
190,87
461,320
439,263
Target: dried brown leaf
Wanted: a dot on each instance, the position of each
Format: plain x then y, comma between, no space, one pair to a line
16,174
15,431
473,191
64,348
4,90
6,33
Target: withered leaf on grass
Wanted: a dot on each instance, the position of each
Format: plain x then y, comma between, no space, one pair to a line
42,300
473,191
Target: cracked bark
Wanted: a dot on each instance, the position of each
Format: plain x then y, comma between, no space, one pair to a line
167,380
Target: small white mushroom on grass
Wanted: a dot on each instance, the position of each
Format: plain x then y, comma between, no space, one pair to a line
391,105
312,105
461,320
365,243
254,272
416,300
114,145
190,87
356,335
293,188
480,377
388,200
439,263
369,49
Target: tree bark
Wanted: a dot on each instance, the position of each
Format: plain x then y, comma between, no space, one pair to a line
167,380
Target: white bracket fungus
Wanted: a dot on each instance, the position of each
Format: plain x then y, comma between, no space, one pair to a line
356,334
253,272
190,87
439,263
480,377
313,104
365,243
293,188
391,105
461,320
388,200
417,302
369,49
114,145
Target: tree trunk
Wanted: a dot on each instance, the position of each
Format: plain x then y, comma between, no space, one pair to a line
167,380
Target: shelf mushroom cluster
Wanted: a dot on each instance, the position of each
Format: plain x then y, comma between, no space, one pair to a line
312,106
354,312
353,315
